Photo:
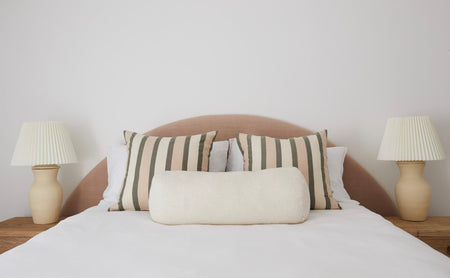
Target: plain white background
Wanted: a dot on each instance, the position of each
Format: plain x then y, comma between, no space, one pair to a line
105,66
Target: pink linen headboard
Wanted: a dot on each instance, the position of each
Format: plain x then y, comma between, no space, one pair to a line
358,182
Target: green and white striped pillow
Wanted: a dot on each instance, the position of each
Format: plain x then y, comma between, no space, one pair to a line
148,155
308,153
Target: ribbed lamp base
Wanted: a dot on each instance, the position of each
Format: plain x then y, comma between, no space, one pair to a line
412,191
45,194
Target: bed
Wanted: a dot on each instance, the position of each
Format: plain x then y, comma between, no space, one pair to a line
355,241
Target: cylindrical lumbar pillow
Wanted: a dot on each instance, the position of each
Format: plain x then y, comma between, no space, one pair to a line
270,196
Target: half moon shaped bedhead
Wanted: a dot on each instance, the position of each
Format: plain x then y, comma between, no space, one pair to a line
358,182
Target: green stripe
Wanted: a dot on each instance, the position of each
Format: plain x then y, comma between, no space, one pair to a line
136,174
278,152
322,167
152,162
294,152
263,152
249,144
200,152
170,153
210,147
130,143
186,153
238,140
310,172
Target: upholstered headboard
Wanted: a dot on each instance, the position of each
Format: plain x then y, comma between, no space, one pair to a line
358,182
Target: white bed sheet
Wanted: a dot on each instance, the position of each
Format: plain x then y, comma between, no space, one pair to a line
352,242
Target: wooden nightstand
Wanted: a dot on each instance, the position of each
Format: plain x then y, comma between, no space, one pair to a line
18,230
435,231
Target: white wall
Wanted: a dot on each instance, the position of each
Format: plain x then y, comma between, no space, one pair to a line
105,66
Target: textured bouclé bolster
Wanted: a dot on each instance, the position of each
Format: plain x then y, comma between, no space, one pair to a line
270,196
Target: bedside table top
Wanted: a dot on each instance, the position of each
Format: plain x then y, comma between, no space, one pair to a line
18,230
435,226
22,227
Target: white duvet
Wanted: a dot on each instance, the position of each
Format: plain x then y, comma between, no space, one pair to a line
352,242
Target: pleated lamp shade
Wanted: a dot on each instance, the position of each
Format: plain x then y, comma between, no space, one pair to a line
44,143
410,139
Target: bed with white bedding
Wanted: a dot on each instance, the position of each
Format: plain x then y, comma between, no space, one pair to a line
352,242
355,241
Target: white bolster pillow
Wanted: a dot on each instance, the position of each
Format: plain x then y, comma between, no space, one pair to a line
270,196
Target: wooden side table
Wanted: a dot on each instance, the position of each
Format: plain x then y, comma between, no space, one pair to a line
435,231
18,230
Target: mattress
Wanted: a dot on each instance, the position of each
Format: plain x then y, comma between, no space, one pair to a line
352,242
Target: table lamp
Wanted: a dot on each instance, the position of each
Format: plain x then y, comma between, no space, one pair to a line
43,145
411,141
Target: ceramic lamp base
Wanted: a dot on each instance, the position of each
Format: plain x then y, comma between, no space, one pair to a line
412,191
45,194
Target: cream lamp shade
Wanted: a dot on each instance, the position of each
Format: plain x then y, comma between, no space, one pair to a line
44,145
411,141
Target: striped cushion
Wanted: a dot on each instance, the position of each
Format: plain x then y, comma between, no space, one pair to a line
148,155
308,153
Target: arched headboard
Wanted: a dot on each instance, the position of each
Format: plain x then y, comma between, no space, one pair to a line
358,182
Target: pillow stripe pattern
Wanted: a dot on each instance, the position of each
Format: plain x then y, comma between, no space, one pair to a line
148,155
308,153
